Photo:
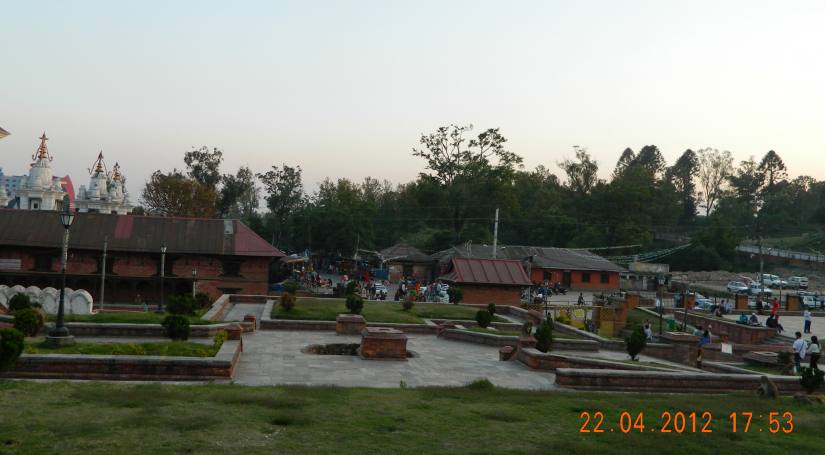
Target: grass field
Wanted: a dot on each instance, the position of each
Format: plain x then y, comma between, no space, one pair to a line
171,348
105,418
127,318
327,309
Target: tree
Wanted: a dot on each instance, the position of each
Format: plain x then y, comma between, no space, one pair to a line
773,169
285,194
650,158
204,165
681,175
174,194
582,173
238,197
714,170
625,160
458,166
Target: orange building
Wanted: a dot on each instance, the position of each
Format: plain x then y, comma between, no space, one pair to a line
498,281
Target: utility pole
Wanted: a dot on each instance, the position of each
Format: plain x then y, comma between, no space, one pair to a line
103,272
495,235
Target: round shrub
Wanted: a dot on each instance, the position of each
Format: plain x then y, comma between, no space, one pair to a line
811,379
28,321
287,301
635,342
11,346
354,303
407,304
177,327
455,294
491,307
181,304
202,300
484,318
290,287
20,302
544,335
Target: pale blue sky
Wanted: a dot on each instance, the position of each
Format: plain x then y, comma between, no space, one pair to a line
346,88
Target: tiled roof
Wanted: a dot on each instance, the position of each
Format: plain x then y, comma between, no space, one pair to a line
134,233
541,257
487,271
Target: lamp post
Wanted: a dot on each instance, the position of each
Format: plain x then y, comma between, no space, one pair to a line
194,281
59,335
162,274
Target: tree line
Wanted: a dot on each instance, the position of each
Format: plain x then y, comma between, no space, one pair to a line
703,195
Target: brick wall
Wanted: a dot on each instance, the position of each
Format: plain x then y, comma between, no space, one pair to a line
500,295
577,279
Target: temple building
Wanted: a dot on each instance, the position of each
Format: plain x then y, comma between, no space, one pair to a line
40,190
106,192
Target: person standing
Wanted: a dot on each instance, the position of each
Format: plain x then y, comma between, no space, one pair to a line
798,352
775,307
814,352
806,315
581,299
648,331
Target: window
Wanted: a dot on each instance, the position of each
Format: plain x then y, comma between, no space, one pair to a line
585,277
546,276
43,263
231,268
605,277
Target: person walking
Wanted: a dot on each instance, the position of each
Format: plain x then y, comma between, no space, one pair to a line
775,307
806,315
814,352
798,352
703,340
581,299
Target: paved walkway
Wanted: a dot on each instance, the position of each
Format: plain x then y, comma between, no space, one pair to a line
239,310
792,324
275,357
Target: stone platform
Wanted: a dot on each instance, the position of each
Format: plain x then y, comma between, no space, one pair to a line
383,343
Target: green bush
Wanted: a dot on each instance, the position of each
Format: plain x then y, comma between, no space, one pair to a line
290,287
351,287
544,335
484,318
287,301
11,346
182,304
491,307
177,327
635,342
202,300
407,304
455,294
563,318
219,338
481,384
811,379
20,302
28,321
354,303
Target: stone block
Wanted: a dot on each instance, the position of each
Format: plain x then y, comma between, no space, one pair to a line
349,324
506,353
741,302
525,342
792,302
383,343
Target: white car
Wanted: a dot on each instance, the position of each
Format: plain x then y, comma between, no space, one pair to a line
773,281
798,282
809,301
756,289
737,287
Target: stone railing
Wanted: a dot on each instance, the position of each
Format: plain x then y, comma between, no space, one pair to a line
538,360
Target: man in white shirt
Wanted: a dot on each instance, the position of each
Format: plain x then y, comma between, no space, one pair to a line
799,349
807,316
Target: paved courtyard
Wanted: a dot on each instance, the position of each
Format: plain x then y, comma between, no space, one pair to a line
275,357
792,324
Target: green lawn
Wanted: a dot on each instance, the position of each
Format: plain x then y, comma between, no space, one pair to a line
126,317
171,348
105,418
327,309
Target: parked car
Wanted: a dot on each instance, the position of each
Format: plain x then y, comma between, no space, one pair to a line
701,302
773,281
756,289
737,287
798,282
810,301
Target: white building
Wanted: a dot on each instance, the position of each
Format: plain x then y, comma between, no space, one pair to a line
106,192
40,190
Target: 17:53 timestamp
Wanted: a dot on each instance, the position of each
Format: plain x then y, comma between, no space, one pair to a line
687,422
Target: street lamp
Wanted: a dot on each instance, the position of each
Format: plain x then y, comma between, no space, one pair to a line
194,281
162,274
59,335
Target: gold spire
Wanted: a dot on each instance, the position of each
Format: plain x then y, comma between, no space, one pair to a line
116,173
99,167
42,150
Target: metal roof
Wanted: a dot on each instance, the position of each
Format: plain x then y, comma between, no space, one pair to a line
40,228
404,252
541,257
487,271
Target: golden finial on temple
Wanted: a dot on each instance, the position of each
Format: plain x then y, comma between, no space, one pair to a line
42,150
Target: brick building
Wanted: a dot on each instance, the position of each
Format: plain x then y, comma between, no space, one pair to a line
227,256
573,268
498,281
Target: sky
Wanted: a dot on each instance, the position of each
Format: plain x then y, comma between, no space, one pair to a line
346,88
